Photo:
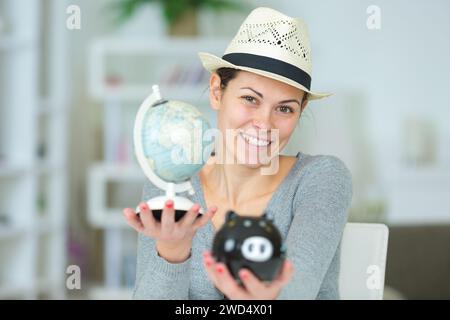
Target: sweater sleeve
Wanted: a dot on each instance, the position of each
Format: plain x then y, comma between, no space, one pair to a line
320,212
330,285
157,278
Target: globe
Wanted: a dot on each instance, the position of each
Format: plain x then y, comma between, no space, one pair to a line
172,140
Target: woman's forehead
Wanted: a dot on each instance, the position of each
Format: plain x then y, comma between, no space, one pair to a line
245,79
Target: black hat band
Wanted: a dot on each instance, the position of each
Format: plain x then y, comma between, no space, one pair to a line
268,64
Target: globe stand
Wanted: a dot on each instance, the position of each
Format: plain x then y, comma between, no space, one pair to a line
181,204
157,204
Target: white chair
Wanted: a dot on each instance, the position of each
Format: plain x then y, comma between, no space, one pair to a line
363,261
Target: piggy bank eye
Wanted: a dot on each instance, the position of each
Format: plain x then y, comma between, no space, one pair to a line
229,245
257,249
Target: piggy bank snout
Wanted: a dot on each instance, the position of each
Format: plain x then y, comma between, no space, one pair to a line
257,249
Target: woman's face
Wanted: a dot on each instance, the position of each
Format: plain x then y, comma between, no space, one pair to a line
256,116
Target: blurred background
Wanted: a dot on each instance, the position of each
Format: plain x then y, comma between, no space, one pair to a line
73,74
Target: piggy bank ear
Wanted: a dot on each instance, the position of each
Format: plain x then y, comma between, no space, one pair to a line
230,215
266,216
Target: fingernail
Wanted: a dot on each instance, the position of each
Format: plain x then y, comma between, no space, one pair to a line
219,269
208,262
244,275
206,254
196,207
169,204
143,206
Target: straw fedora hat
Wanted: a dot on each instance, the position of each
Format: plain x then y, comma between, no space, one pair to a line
271,44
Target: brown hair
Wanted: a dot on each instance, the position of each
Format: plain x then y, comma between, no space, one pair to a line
226,75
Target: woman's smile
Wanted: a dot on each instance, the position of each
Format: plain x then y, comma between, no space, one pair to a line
258,142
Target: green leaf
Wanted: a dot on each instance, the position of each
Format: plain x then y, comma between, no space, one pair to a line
172,10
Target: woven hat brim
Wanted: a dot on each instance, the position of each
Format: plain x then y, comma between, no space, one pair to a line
212,63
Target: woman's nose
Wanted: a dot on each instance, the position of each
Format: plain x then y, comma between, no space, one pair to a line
262,120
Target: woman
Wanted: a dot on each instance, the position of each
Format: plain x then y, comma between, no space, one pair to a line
259,87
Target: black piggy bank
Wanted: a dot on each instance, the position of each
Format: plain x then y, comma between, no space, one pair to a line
250,242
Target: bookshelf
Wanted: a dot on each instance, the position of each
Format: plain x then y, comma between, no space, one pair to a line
121,74
33,117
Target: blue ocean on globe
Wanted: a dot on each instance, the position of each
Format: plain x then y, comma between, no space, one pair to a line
172,138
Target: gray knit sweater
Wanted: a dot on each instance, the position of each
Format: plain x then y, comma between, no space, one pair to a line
310,208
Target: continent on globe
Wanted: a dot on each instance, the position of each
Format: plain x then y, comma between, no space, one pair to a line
172,140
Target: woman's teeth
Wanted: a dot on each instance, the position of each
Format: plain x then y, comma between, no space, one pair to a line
254,141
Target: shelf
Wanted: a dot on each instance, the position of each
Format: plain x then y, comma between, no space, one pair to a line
42,167
112,218
45,167
45,225
137,93
422,176
419,221
8,43
178,71
48,107
50,289
25,73
101,175
11,232
42,226
166,46
117,172
14,291
121,73
11,170
105,293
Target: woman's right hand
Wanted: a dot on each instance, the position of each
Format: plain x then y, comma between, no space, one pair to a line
173,239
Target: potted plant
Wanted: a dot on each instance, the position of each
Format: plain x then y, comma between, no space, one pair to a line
180,16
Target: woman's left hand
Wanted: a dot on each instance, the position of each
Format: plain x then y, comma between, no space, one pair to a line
253,289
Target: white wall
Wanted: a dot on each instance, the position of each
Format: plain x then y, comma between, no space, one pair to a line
380,78
403,68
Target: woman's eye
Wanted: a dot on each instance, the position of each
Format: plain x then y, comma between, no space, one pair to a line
249,99
286,109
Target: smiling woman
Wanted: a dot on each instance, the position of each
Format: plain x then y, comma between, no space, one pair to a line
259,89
254,113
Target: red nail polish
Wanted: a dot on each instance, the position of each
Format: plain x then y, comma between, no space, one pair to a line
208,263
244,275
219,269
169,204
143,207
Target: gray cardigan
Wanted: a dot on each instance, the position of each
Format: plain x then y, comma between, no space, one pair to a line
310,208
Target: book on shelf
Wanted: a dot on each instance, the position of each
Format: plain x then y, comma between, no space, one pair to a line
129,258
117,143
120,258
184,75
